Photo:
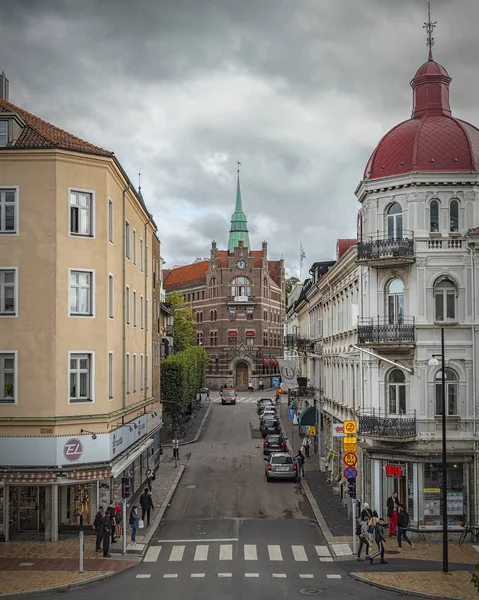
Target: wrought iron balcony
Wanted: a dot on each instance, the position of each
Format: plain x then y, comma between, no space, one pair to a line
377,422
290,340
169,330
304,344
386,250
382,331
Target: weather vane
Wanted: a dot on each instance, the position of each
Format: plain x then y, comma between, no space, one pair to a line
429,27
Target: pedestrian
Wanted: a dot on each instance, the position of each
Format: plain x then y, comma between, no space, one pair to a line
207,393
106,530
367,512
250,386
176,449
364,536
146,503
110,513
97,526
118,519
261,385
402,525
306,445
134,522
392,513
150,478
300,462
380,541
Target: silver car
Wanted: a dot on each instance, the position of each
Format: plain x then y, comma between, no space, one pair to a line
280,465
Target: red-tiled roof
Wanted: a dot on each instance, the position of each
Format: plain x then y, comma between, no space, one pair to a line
40,134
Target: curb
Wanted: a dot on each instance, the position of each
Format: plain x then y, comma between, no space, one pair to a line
63,586
200,430
400,590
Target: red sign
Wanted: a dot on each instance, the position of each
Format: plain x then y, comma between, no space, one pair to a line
393,471
350,459
73,449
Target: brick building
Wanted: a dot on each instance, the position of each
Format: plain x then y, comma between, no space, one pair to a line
238,300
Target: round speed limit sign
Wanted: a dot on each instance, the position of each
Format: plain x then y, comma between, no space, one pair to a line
350,459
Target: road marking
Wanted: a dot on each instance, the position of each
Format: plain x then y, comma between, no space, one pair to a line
177,553
333,576
143,576
341,549
326,559
306,576
170,576
197,575
225,574
323,551
152,554
299,553
250,552
226,552
279,575
26,564
274,553
251,574
197,541
201,552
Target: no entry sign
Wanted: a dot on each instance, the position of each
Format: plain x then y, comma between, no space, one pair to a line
350,472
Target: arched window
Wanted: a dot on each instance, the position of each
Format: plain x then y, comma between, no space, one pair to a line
454,216
451,392
394,222
395,302
445,293
241,286
213,288
397,392
434,216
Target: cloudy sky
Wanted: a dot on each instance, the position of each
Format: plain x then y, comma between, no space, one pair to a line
299,91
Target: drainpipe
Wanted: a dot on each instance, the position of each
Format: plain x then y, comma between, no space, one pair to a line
473,283
123,295
147,320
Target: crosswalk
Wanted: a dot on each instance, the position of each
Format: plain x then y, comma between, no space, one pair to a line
240,400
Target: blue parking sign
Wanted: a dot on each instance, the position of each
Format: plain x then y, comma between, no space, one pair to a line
291,413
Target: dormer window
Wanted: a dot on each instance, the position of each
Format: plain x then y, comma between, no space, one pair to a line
3,133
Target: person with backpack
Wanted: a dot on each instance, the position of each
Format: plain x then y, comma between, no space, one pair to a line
377,532
300,462
362,530
402,525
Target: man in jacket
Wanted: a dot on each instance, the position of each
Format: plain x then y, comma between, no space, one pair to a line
363,537
380,541
110,513
403,522
106,529
97,526
146,503
392,507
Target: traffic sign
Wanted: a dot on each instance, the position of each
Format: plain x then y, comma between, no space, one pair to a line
312,430
350,448
290,413
350,427
350,472
349,440
350,459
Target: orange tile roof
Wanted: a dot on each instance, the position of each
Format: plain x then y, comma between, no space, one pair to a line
40,134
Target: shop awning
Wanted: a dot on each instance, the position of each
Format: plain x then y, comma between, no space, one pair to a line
118,467
307,417
265,362
250,333
92,474
232,333
32,478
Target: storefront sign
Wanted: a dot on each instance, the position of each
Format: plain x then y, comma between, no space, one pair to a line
393,471
73,449
338,430
287,370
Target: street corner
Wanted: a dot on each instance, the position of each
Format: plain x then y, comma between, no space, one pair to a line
41,581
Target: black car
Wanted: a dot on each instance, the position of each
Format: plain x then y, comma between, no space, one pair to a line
270,426
274,442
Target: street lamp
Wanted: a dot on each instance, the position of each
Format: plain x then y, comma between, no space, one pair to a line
433,362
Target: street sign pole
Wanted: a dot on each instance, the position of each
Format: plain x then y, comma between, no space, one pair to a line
354,524
124,526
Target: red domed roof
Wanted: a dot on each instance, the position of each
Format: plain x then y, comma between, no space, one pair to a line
432,140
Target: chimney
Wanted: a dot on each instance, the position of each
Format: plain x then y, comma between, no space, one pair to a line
4,86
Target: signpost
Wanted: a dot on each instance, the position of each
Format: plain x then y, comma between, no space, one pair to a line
350,472
291,413
350,459
350,427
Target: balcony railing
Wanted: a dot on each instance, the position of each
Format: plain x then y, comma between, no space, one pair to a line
382,331
290,340
378,423
305,344
241,299
169,330
383,247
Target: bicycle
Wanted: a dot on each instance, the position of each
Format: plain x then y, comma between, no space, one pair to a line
468,529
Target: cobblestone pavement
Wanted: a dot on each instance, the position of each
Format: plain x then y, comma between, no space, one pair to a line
456,584
11,583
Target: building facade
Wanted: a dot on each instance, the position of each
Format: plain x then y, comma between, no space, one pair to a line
237,298
77,409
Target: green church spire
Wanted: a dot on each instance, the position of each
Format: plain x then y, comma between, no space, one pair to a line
239,224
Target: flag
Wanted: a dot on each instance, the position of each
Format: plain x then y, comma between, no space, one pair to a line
302,253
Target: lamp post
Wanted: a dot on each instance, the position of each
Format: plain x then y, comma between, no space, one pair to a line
433,362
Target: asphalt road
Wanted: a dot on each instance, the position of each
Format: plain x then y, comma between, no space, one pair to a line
230,534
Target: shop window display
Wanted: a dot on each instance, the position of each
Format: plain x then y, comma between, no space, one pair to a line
77,501
456,494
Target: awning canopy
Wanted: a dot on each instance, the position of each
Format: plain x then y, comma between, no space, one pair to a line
265,362
232,333
308,417
274,362
250,333
123,463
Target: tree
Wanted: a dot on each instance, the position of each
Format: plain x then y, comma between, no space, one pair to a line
290,283
184,322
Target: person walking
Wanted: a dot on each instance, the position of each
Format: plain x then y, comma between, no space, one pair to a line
207,393
261,385
150,478
250,386
306,445
118,519
97,526
110,513
402,525
134,522
106,530
363,537
146,503
380,541
300,462
392,513
367,512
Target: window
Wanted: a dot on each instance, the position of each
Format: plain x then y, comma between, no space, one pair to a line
451,392
141,254
110,296
265,338
213,290
249,314
127,239
265,315
434,216
134,373
199,338
134,308
142,317
110,375
394,221
395,302
232,339
232,314
445,301
81,293
127,372
127,305
454,216
81,213
241,286
81,377
8,387
3,133
146,315
397,392
146,371
141,372
134,246
250,340
8,211
110,220
8,293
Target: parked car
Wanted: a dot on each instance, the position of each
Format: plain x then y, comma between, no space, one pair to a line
280,465
270,426
228,396
264,406
265,402
268,413
274,442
